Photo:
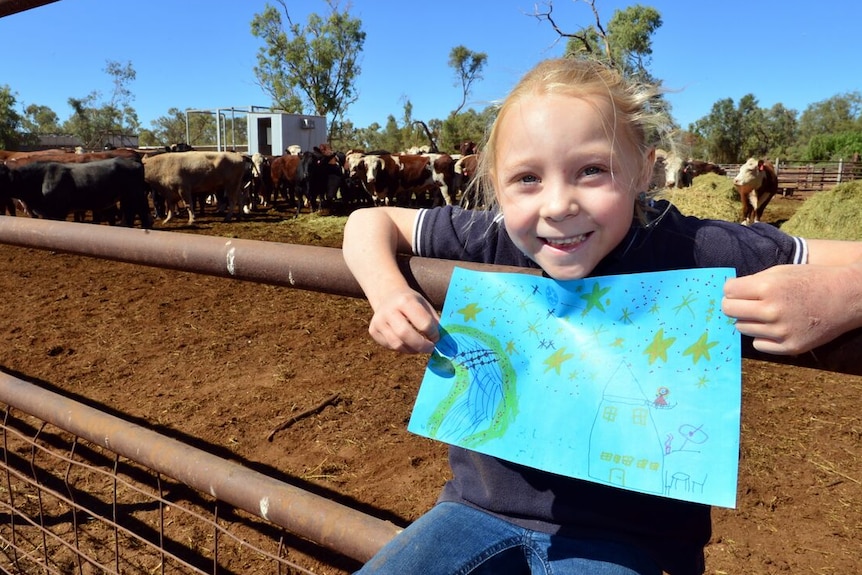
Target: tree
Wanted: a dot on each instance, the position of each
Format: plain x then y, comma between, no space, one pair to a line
313,66
468,68
40,120
466,126
171,129
721,132
839,113
95,122
10,121
626,43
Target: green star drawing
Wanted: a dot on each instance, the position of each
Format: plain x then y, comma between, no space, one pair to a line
659,346
702,381
626,316
556,359
510,348
470,311
686,304
700,348
594,298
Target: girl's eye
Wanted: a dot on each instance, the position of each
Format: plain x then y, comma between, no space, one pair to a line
592,171
528,179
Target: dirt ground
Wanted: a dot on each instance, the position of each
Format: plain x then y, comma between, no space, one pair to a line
228,361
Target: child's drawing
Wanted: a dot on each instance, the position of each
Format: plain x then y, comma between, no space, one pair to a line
631,381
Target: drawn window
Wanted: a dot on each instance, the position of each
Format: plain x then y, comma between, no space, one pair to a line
640,416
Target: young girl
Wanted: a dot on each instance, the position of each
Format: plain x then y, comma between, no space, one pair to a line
567,163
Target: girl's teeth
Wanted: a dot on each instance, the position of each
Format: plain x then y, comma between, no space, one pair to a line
567,241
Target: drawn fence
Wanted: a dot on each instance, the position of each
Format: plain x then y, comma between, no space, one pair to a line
87,492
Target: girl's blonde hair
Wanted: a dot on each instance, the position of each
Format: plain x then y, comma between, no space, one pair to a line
641,121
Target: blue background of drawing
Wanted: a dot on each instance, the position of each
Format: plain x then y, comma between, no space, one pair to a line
576,415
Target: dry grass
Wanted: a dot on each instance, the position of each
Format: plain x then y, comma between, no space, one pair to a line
834,214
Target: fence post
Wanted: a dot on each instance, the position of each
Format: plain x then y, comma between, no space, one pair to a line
840,170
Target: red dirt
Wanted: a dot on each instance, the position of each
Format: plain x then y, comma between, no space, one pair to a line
227,362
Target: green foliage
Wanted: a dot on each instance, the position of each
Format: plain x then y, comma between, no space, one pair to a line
313,66
825,147
466,126
840,113
94,121
10,121
40,120
834,214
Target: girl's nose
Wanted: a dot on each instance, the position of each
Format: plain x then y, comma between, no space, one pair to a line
560,202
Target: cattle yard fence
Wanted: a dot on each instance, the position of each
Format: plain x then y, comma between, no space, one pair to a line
84,491
797,176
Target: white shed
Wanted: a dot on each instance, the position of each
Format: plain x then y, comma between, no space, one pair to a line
272,133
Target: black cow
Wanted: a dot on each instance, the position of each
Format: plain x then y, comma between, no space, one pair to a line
319,176
7,204
54,190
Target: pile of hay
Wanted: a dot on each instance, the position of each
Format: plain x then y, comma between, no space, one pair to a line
835,214
710,196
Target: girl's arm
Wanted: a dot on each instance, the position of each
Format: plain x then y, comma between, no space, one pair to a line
403,320
791,309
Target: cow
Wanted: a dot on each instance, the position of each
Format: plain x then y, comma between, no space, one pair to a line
53,190
261,179
464,183
421,174
378,173
319,176
177,176
282,171
755,183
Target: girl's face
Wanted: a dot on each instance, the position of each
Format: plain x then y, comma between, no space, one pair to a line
562,204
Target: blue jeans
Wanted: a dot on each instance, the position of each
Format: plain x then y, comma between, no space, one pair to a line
455,539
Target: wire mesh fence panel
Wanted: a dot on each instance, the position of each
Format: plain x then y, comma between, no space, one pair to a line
69,506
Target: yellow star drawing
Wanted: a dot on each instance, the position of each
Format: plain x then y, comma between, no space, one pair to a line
700,348
556,359
659,346
470,311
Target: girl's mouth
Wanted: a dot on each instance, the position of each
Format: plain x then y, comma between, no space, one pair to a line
564,243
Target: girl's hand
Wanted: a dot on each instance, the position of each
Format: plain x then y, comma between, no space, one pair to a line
405,322
791,309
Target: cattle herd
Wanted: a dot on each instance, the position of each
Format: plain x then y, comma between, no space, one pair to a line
128,186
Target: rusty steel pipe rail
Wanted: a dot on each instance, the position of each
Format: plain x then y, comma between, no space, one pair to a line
311,268
306,267
323,521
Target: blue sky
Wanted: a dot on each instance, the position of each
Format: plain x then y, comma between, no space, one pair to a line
200,53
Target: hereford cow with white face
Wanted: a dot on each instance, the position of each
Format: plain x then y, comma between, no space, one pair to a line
755,183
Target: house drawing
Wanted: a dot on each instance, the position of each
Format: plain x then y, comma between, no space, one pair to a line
624,418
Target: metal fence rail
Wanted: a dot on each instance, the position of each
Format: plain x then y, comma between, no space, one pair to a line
124,486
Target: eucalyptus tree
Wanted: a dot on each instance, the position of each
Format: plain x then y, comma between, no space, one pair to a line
310,68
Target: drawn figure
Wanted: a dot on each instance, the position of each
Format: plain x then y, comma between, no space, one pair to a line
661,393
483,401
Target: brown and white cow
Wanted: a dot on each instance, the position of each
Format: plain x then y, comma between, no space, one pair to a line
755,183
464,183
421,174
177,176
